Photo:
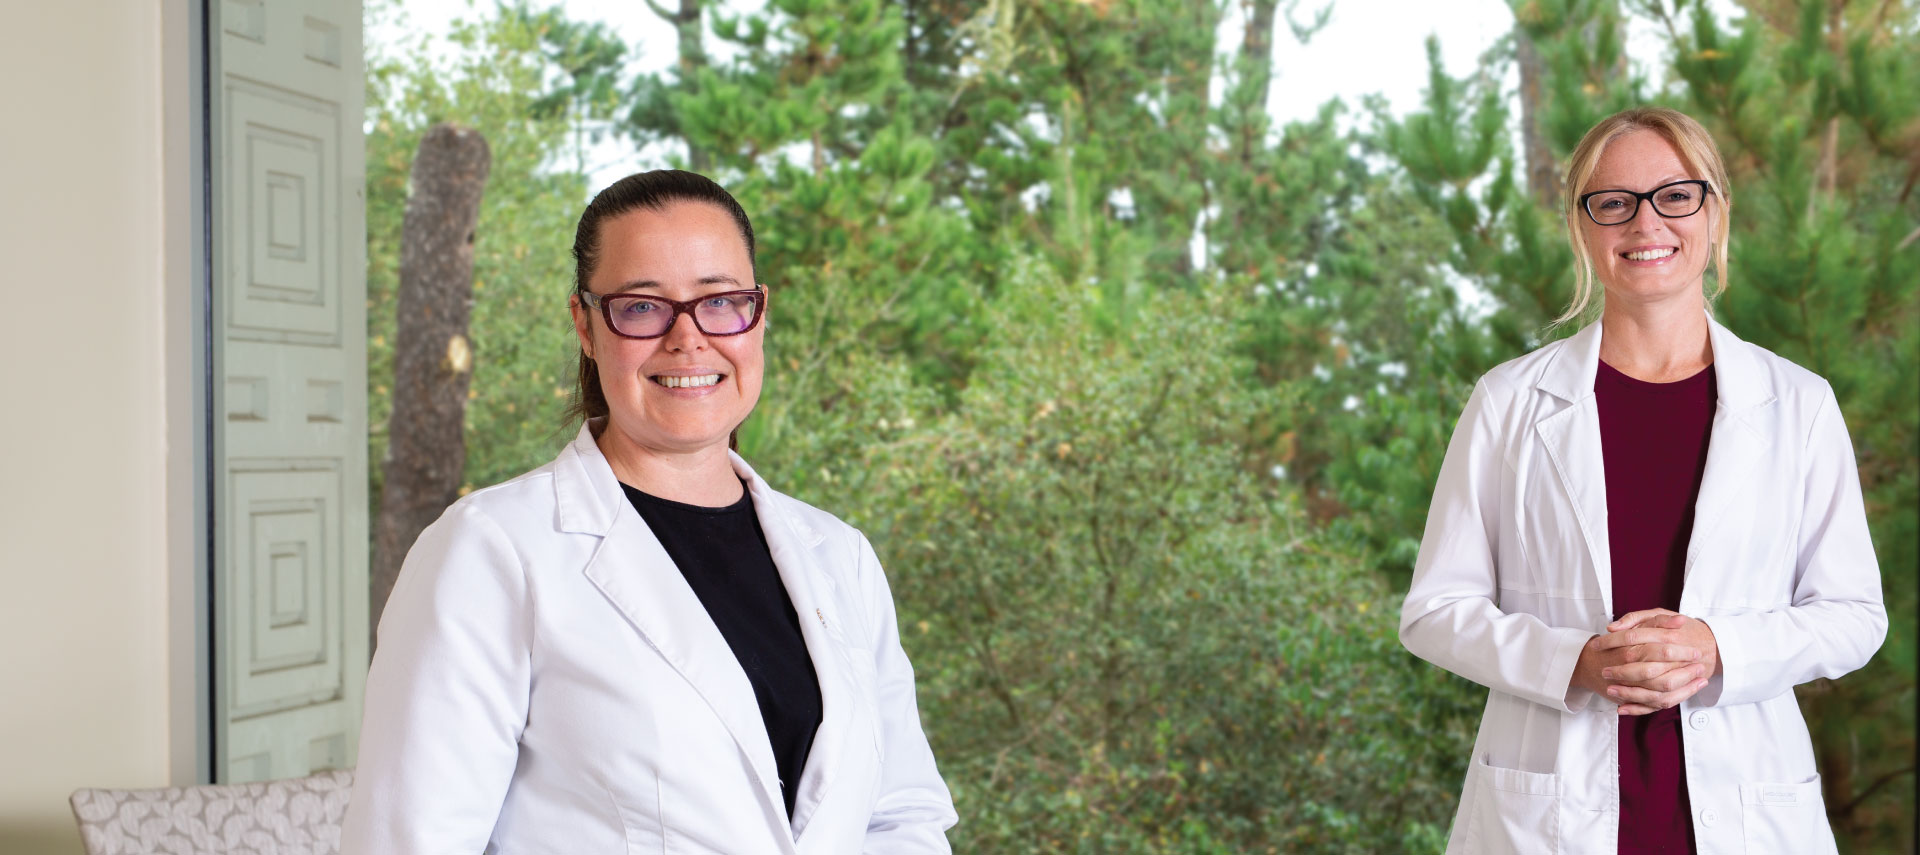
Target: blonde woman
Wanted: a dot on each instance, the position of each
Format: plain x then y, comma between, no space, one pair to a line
1642,538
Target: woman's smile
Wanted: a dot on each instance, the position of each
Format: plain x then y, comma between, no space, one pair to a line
1649,256
688,384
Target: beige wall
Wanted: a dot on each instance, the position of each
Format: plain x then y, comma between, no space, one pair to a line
84,490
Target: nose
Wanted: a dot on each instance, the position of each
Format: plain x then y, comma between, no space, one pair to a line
684,335
1646,219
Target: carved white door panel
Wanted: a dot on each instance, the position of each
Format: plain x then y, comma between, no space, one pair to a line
290,433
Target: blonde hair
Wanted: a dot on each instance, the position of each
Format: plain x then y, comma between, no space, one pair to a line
1697,151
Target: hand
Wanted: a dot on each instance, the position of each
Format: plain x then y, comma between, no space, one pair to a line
1653,659
1605,665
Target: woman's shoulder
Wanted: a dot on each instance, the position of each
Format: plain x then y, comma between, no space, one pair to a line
1783,376
534,486
1512,379
1773,386
513,509
812,523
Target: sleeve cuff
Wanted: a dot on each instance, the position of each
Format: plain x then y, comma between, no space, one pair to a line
1568,641
1728,647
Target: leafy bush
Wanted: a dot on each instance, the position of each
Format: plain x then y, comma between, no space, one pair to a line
1126,640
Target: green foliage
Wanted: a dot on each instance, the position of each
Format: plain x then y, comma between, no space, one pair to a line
1822,204
1047,320
1126,640
494,79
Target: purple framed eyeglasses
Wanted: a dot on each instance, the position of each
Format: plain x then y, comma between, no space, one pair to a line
647,316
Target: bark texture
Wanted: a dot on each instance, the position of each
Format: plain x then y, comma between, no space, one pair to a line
432,360
1256,58
686,20
1543,175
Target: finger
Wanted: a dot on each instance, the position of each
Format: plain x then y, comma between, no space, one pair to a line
1633,619
1638,673
1638,697
1625,638
1668,681
1662,653
1637,635
1668,621
1678,680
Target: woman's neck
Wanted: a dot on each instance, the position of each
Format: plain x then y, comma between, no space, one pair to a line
703,477
1658,343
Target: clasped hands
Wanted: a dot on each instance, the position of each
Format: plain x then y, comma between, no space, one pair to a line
1648,661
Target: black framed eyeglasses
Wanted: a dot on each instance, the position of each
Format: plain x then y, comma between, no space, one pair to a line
647,316
1614,207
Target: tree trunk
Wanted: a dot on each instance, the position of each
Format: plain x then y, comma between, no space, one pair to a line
1189,74
693,57
1543,176
432,362
1826,171
1256,63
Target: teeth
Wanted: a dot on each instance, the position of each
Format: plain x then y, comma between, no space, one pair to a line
687,382
1650,255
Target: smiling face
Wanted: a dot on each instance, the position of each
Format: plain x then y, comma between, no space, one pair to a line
685,391
1648,259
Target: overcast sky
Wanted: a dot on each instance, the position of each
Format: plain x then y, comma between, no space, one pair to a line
1368,46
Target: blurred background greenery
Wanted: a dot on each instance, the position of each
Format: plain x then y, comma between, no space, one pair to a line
1139,393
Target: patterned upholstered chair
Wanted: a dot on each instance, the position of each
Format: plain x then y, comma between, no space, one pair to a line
299,816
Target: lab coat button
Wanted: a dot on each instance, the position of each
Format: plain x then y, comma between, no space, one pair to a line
1708,818
1698,719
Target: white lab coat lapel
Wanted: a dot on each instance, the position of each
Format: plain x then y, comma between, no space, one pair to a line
793,543
633,571
1571,436
1739,444
1736,451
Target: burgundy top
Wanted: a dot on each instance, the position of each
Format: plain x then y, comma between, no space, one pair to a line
1653,439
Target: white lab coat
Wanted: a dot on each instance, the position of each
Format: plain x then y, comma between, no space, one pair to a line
547,682
1514,576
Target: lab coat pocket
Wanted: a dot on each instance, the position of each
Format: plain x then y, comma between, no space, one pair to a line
1514,812
640,817
1788,819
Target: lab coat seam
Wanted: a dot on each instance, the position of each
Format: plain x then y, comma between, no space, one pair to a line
1827,402
499,534
1585,526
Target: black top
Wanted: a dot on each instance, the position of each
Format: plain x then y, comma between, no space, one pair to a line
724,557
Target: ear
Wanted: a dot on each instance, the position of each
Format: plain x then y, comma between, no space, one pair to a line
582,324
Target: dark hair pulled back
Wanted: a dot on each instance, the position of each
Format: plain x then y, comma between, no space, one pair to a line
653,191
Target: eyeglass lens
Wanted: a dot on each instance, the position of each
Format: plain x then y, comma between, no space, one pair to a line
1618,206
720,314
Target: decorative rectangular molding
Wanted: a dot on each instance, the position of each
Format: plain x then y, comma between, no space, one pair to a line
293,743
326,401
322,41
327,752
246,19
283,182
253,767
286,585
289,494
247,399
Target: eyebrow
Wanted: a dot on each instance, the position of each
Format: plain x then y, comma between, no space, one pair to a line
1671,178
709,279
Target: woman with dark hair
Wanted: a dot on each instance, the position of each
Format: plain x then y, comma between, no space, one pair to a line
641,647
1643,537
